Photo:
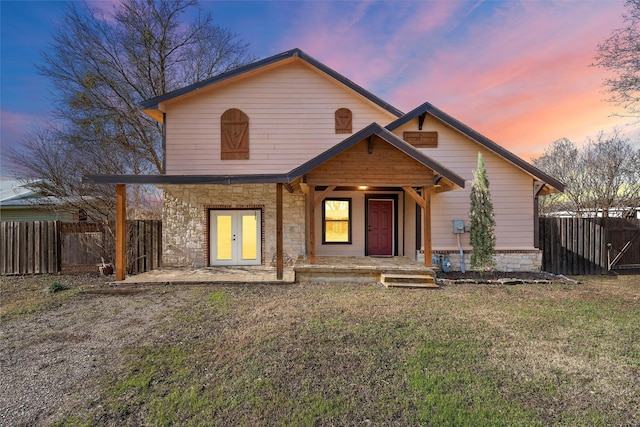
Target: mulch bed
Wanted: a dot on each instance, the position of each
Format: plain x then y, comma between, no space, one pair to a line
501,277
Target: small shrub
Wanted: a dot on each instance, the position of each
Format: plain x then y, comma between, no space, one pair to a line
56,287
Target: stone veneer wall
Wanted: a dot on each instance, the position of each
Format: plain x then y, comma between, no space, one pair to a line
507,260
185,219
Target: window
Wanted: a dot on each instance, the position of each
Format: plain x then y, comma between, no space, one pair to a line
343,120
234,134
336,221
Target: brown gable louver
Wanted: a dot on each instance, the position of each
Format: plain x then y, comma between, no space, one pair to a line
343,120
422,139
234,130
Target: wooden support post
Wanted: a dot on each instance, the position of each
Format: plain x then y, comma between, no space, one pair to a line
426,232
311,223
121,232
279,237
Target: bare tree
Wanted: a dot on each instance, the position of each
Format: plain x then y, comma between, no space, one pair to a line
614,174
102,67
601,177
620,54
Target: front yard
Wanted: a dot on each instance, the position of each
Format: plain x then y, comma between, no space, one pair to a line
490,355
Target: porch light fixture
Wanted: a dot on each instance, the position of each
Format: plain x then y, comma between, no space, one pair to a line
362,187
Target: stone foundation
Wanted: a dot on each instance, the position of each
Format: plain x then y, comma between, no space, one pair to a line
185,220
507,260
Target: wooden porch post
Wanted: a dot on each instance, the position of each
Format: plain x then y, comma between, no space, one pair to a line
279,237
426,232
311,223
121,231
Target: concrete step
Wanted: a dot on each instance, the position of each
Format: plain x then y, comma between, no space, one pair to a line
408,280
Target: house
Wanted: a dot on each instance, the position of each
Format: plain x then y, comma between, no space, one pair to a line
286,158
20,202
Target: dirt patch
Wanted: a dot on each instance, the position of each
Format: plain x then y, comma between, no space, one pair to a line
115,291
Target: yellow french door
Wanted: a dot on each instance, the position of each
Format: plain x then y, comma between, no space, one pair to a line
235,237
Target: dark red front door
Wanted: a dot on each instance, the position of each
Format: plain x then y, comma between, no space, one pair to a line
380,227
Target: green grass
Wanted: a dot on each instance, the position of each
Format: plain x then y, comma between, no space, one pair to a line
526,355
41,295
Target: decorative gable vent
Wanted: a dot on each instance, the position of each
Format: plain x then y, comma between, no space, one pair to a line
343,120
234,131
422,139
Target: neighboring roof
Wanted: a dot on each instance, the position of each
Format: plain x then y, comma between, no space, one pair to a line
384,134
11,189
21,193
153,104
15,192
372,129
428,108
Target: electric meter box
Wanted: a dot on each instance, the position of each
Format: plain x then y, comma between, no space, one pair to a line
458,226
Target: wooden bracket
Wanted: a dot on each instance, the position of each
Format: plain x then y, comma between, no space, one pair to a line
324,194
421,118
537,187
288,187
415,196
304,187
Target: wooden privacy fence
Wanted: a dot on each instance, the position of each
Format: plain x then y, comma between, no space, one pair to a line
45,246
144,245
589,245
30,247
82,243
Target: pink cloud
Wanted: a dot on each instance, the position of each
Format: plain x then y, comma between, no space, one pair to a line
518,72
504,77
365,41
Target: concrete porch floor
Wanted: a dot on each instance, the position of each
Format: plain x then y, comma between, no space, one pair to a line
326,269
356,269
188,275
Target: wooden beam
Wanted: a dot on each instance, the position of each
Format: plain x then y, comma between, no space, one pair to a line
121,232
421,118
414,195
304,187
426,215
324,194
370,149
311,224
279,237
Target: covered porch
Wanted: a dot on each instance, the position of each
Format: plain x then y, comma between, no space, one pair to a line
365,270
369,174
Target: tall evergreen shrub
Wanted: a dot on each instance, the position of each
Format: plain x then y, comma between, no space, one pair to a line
483,240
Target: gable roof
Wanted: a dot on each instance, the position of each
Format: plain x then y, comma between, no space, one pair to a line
384,134
151,106
428,108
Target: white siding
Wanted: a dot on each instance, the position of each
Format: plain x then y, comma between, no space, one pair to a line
291,119
511,191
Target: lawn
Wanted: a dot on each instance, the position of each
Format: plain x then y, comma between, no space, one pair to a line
314,354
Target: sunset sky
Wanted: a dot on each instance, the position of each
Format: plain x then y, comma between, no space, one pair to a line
518,71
